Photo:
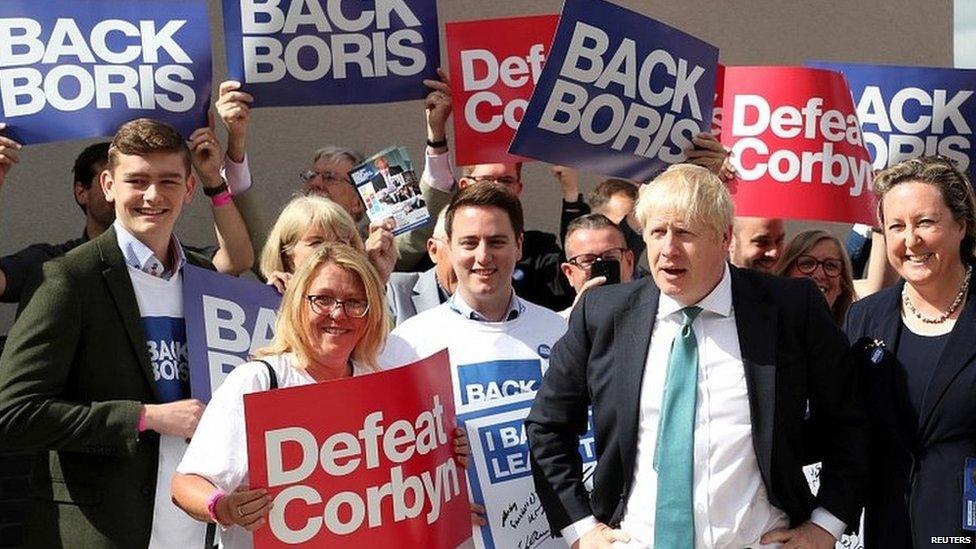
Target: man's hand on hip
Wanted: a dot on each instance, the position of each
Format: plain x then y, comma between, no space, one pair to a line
805,536
601,537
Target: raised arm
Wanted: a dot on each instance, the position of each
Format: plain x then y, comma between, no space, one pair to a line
233,106
234,254
437,180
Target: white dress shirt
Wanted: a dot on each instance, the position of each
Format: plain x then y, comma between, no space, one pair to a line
731,507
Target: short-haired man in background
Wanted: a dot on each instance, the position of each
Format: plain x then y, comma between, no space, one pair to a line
591,241
411,293
757,242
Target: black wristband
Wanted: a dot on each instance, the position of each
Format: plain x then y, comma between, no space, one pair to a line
214,191
437,144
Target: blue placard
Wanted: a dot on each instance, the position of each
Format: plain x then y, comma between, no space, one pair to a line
621,94
81,68
227,319
498,379
907,112
335,52
499,474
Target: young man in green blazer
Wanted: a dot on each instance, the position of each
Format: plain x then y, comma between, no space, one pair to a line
94,374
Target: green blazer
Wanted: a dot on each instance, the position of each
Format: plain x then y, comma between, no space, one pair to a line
73,378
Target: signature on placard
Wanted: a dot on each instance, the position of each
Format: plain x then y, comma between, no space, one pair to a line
515,514
533,539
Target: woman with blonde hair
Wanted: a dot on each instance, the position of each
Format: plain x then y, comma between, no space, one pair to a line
332,324
308,221
819,256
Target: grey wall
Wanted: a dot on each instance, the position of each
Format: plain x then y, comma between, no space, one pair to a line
36,202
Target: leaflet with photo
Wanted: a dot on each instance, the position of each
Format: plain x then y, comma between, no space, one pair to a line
390,189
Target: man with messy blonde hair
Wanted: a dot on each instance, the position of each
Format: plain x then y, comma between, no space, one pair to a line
699,378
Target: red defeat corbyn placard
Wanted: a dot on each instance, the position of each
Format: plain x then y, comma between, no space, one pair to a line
360,462
796,144
494,66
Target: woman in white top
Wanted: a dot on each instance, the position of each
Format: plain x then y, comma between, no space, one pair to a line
332,324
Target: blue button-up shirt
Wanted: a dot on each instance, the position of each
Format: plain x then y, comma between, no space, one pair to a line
457,304
139,256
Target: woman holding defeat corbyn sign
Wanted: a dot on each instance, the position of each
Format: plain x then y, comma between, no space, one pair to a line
914,343
332,324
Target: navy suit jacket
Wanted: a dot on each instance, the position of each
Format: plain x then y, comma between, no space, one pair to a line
915,487
793,354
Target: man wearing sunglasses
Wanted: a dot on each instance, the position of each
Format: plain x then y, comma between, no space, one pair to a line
594,241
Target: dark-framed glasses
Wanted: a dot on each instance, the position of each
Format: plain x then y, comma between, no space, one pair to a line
328,177
586,261
325,304
807,264
503,179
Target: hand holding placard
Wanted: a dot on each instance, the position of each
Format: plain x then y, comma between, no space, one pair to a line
620,94
796,145
376,472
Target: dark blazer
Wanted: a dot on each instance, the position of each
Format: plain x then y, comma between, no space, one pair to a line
792,353
915,488
411,293
73,378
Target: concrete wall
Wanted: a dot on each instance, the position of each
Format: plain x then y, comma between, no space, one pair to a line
36,202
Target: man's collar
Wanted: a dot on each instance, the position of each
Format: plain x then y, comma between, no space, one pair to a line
718,301
458,305
136,254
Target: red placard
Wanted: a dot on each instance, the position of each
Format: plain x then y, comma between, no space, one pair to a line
719,94
796,143
494,66
360,462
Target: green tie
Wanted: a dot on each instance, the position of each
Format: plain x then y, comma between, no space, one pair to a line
674,523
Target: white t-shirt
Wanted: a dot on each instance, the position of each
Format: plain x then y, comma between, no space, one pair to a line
161,308
218,451
528,337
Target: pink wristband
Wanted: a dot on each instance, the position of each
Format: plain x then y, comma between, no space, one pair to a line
142,420
212,504
220,199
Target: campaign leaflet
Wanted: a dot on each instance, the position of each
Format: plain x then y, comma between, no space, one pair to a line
906,112
500,478
494,65
227,320
331,52
364,461
620,94
82,68
390,189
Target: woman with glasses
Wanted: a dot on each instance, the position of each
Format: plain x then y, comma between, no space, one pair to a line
914,344
332,324
818,255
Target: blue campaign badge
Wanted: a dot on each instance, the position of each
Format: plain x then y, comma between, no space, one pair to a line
544,350
969,496
877,355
